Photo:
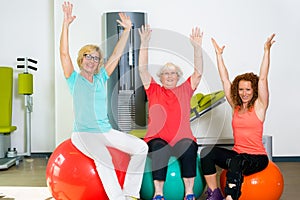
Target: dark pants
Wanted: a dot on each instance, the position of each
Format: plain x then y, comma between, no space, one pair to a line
212,156
160,152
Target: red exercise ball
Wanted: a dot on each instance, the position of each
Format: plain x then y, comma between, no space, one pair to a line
72,175
266,185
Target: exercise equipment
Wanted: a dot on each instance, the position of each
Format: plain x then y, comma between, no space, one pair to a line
72,175
25,87
201,104
174,186
267,184
6,127
6,88
126,97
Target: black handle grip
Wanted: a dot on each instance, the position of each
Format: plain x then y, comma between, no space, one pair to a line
33,68
31,60
29,66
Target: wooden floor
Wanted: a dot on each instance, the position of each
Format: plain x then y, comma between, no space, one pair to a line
31,172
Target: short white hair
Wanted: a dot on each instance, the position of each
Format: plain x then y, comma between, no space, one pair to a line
170,65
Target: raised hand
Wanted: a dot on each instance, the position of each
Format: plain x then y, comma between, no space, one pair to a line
219,50
269,42
145,34
196,37
67,9
125,21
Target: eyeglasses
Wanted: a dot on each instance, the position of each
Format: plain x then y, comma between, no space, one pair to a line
90,57
169,73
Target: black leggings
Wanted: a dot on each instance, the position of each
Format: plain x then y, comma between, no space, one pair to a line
160,152
212,156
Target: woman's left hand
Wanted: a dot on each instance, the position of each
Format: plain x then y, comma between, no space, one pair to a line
145,34
196,37
125,21
269,42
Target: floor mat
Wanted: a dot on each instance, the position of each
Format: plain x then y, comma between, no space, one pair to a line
25,193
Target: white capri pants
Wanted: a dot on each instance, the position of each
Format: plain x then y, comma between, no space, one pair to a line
94,145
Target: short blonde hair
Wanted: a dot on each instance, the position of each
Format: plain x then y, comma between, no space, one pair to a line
89,49
170,65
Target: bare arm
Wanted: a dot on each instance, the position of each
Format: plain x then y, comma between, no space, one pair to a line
65,58
223,72
196,40
113,60
263,91
145,34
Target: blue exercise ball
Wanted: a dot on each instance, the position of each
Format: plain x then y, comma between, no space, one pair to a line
174,185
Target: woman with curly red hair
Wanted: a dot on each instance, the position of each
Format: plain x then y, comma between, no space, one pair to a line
248,96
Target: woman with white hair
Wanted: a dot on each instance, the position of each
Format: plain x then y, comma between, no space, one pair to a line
169,132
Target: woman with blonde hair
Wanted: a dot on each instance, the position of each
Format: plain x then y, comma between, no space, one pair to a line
92,132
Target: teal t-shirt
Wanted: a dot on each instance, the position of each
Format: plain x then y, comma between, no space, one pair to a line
89,102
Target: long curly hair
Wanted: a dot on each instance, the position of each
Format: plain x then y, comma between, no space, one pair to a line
236,99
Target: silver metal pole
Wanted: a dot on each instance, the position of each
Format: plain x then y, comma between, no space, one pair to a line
28,105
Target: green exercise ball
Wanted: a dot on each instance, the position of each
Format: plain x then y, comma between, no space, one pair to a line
174,186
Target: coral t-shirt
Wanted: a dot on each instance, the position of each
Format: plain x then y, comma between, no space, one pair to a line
247,133
169,112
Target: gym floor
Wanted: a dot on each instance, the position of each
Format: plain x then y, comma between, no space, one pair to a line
31,172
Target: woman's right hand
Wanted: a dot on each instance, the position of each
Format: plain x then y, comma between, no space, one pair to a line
145,34
219,50
67,9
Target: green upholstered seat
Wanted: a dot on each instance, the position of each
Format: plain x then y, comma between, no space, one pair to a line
205,102
6,88
140,133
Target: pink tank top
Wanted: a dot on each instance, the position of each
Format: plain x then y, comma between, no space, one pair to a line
247,133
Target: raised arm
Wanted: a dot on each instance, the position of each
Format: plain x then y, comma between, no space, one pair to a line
65,58
263,91
113,60
145,35
223,72
196,40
